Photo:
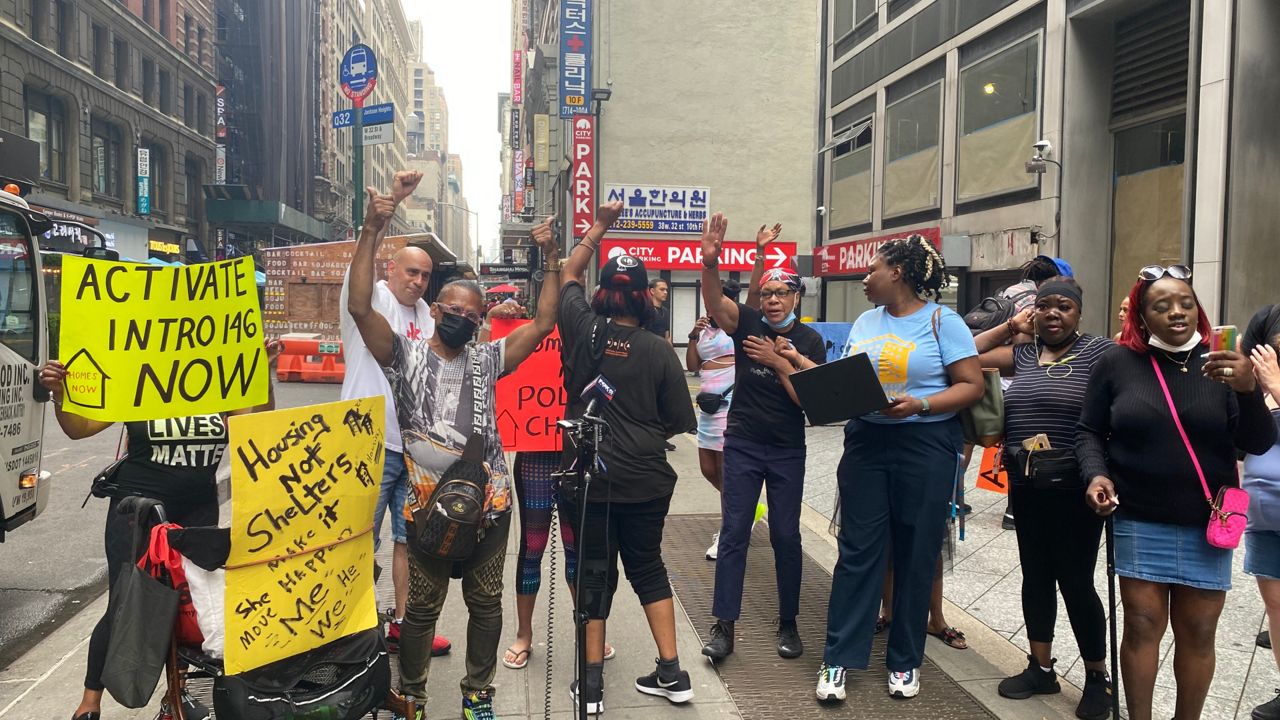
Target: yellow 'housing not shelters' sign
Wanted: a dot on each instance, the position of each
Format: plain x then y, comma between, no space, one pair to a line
304,483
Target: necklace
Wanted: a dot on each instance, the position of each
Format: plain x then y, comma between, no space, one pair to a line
1181,365
1051,365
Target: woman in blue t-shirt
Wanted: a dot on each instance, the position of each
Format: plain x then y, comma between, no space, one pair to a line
899,465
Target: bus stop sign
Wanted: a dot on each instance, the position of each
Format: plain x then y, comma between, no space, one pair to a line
359,72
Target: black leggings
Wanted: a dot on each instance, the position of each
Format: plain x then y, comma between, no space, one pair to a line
1058,539
635,533
118,539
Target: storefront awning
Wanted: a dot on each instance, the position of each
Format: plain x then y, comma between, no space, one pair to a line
232,212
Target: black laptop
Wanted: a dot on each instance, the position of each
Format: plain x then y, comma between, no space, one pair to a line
839,390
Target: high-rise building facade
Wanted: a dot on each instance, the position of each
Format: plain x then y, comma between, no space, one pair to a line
119,96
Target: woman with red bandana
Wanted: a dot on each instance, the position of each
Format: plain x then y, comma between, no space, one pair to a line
763,441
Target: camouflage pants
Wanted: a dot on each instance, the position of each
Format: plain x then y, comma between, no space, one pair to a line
481,590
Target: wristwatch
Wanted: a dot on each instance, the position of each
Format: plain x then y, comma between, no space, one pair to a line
924,411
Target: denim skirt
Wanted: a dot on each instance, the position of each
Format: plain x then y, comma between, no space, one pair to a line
1172,554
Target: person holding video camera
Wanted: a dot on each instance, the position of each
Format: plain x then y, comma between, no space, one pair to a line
764,440
604,341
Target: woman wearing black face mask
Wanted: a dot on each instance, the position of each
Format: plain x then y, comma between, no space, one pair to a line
438,383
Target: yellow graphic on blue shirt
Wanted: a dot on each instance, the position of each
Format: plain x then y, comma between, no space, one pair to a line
891,355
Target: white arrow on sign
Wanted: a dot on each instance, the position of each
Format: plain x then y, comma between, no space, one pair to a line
777,257
583,226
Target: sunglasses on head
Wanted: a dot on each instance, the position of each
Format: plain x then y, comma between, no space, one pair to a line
1155,272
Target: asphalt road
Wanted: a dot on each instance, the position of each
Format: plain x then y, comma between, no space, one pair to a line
52,566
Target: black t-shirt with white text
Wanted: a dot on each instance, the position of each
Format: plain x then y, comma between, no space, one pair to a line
762,410
174,460
651,402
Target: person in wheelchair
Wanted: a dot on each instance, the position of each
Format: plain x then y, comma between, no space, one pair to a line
444,394
173,460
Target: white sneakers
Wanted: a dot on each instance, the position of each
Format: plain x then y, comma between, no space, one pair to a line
830,683
714,550
904,685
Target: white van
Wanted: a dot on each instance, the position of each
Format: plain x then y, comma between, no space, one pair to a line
24,346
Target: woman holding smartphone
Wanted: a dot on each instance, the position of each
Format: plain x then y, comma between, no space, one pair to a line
1138,466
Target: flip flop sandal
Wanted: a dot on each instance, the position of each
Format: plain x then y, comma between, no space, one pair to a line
610,652
951,637
882,624
522,659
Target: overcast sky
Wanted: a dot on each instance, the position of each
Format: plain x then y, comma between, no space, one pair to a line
468,45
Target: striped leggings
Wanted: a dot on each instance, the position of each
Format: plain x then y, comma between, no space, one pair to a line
535,490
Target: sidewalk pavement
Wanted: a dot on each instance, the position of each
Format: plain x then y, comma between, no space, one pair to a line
984,600
46,682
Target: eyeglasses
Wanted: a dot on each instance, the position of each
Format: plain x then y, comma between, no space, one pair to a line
471,315
1155,272
780,294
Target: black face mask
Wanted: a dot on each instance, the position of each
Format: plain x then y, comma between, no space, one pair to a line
455,330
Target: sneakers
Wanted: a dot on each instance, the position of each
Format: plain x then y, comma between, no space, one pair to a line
1263,640
721,644
594,697
478,706
789,644
677,690
1032,681
1095,701
830,683
762,513
1269,710
420,714
714,550
393,635
904,685
440,645
1007,522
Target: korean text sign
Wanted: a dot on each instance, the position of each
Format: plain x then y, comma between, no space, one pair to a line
304,483
142,342
660,208
575,57
531,400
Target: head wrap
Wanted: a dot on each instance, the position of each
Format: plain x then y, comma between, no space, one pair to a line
781,275
1058,287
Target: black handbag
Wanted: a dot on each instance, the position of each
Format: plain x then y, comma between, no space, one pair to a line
142,614
343,680
450,524
710,403
1052,469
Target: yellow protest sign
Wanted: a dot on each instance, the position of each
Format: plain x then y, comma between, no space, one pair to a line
142,342
304,484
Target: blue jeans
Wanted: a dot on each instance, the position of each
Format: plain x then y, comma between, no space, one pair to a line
747,466
391,496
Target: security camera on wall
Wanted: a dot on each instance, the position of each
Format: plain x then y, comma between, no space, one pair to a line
1042,148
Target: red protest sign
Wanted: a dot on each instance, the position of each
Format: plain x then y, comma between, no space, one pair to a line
531,400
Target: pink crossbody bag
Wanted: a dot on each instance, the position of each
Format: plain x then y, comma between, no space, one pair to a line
1228,513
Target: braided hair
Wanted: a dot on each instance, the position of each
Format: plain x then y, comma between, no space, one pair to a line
920,262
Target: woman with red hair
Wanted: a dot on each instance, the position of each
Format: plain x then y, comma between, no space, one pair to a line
1130,446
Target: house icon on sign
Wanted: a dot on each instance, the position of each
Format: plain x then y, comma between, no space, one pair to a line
86,381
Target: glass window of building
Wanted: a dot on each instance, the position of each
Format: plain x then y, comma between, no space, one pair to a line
849,14
999,120
159,178
851,177
913,152
106,159
47,126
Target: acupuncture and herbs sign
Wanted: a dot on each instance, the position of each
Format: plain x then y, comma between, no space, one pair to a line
304,483
142,342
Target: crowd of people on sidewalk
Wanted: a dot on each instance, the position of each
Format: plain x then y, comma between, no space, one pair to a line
1159,417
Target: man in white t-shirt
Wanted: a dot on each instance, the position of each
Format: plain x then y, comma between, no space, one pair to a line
399,300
